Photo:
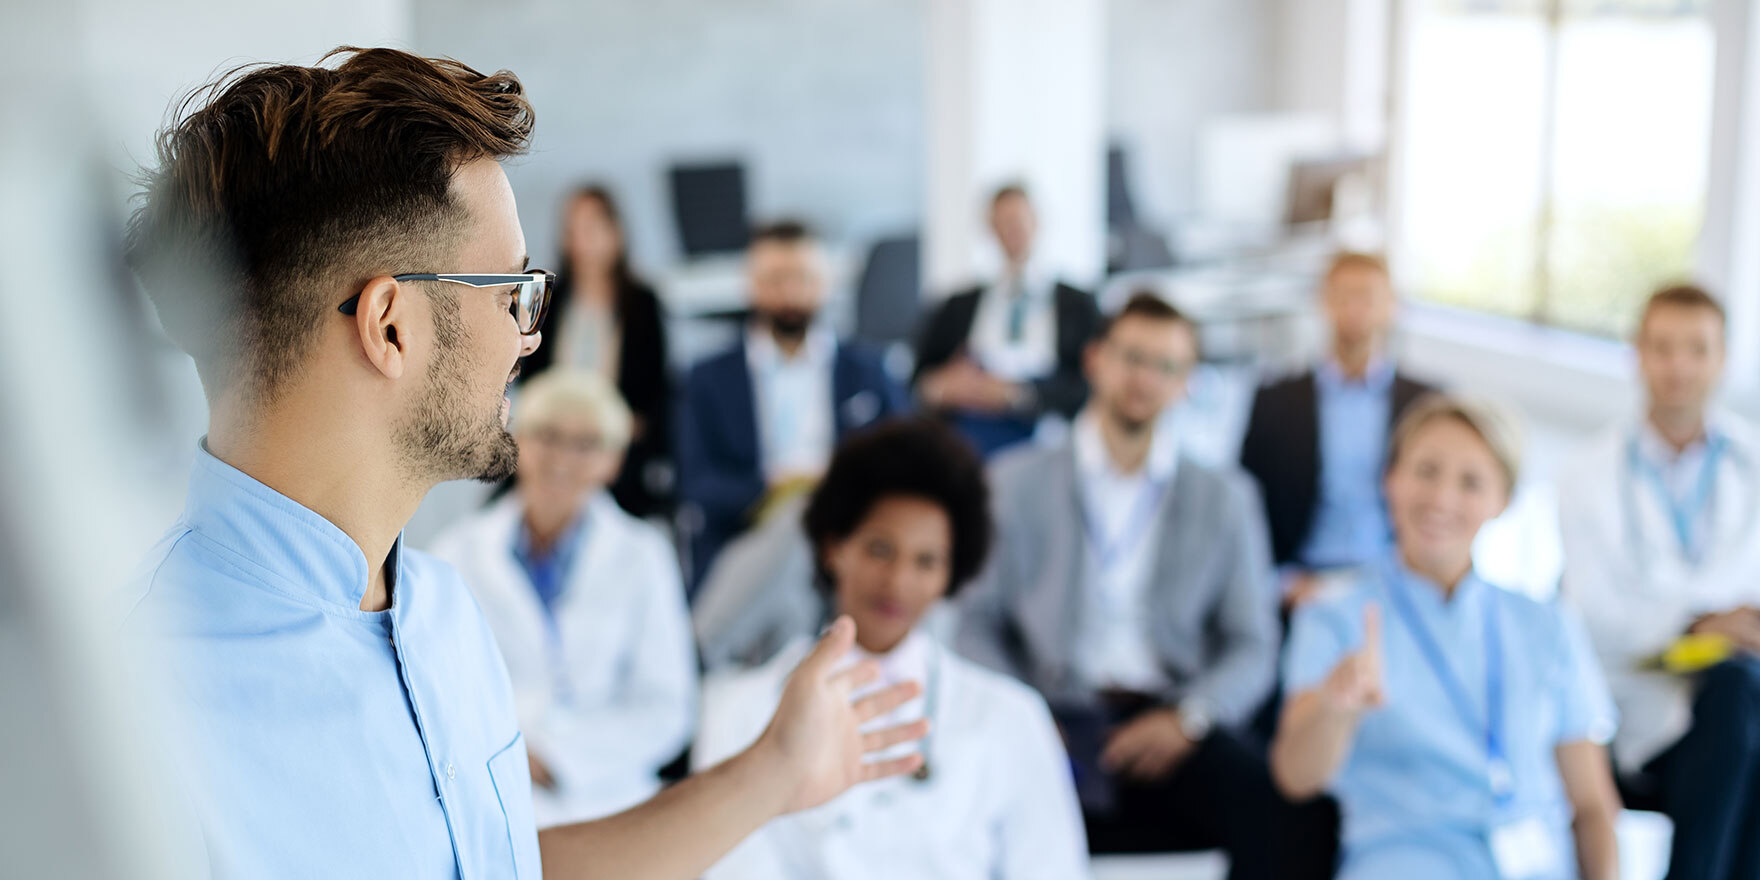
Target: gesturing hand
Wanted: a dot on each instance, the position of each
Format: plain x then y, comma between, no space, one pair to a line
815,738
1355,684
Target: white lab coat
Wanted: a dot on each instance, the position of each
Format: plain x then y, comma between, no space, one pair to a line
999,803
626,655
1637,592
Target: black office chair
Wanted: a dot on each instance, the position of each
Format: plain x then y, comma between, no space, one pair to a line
889,294
1131,246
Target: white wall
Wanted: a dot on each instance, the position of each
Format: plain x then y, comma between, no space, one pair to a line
1170,68
823,100
140,57
1018,95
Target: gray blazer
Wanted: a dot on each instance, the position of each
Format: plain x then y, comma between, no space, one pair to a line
1212,606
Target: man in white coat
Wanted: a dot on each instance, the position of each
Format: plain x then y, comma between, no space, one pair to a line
1661,524
586,604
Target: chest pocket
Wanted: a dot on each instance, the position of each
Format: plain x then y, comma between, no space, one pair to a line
513,786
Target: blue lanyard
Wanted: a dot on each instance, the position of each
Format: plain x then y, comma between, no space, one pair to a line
1683,512
1107,553
1502,776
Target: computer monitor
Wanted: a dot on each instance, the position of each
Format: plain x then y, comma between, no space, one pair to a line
1120,210
1313,182
709,206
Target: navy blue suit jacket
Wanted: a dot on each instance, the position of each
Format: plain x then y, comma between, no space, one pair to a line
720,462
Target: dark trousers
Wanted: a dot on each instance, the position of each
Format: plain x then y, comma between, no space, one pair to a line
1710,779
1222,797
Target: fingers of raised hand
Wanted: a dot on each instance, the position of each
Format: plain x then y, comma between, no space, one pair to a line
881,702
894,767
881,740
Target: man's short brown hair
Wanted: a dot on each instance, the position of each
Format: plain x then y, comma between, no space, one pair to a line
1150,306
1011,190
788,231
1355,260
1689,296
280,188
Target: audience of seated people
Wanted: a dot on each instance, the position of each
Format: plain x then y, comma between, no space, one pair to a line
1661,526
1461,726
1131,586
758,422
586,604
997,358
605,318
900,521
1128,594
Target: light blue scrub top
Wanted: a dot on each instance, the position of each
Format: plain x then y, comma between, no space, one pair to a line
1416,790
316,739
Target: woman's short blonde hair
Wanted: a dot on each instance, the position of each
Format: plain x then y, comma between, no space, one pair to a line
1491,421
559,393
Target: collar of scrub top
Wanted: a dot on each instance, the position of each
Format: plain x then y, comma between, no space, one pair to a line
278,537
1407,593
1377,378
560,557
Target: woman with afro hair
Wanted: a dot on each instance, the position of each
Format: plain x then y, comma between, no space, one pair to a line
900,522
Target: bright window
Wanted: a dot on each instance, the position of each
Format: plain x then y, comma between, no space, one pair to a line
1552,154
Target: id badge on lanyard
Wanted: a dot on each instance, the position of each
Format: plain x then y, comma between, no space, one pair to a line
1523,849
1683,513
1109,551
1526,850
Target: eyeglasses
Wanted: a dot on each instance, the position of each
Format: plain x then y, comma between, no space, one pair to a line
531,295
1166,368
579,444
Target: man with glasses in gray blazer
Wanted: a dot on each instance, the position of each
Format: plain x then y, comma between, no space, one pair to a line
1132,587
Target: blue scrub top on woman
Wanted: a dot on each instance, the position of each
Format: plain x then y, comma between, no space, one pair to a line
1417,789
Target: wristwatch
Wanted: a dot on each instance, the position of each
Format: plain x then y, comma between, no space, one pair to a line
1195,720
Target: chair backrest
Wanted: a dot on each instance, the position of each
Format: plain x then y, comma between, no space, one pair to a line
889,294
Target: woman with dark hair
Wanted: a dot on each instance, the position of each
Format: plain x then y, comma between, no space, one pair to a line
605,319
900,521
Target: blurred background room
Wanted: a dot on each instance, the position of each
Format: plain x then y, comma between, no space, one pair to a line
1531,170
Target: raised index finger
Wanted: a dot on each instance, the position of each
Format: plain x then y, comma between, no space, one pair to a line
1372,632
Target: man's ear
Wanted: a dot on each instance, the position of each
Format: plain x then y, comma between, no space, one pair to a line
1090,358
383,312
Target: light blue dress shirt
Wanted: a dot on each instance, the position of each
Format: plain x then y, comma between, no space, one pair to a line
1350,524
317,739
1416,788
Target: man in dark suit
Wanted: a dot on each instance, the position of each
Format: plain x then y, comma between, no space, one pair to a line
1316,442
996,358
758,422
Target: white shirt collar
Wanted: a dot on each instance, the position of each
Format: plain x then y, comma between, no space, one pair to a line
907,661
1660,452
1093,461
817,351
1037,280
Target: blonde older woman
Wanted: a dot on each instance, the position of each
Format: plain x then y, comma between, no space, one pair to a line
586,604
1462,727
